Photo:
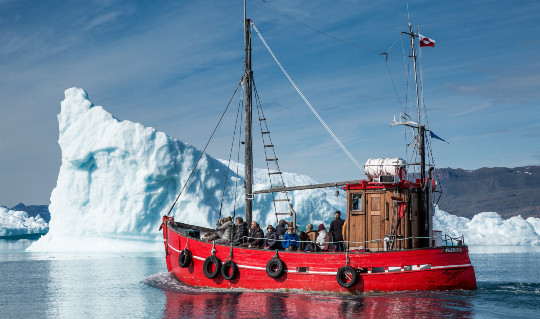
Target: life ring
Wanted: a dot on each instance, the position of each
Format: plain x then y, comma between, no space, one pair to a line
185,258
275,267
229,266
347,276
207,267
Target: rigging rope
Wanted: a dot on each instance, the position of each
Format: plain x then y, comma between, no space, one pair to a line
238,163
356,45
393,84
307,102
230,155
204,150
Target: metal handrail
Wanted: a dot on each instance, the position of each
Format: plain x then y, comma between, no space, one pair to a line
459,240
342,241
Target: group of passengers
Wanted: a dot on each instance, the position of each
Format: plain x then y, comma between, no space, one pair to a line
284,236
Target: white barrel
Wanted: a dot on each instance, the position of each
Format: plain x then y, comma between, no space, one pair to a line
376,167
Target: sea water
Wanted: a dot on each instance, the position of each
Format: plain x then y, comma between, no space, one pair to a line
137,285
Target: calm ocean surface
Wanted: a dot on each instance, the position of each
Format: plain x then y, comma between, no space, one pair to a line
137,285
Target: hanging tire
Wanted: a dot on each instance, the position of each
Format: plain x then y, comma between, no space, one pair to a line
229,266
275,268
347,276
185,258
209,263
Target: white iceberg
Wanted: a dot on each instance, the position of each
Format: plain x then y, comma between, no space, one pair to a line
489,229
118,179
17,224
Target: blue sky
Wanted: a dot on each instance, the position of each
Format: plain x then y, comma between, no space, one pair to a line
173,65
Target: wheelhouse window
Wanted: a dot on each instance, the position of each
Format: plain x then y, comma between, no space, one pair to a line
356,200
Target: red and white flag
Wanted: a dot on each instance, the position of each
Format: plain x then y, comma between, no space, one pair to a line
425,41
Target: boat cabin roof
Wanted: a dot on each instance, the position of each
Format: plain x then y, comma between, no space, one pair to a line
376,185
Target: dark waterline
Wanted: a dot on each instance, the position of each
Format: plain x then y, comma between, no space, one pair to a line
136,285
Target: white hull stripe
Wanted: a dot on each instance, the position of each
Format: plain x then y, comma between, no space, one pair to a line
333,273
450,266
171,247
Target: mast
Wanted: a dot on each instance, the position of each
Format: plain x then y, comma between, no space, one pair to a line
421,128
248,118
424,194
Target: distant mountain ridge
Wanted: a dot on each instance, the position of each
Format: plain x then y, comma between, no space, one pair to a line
506,191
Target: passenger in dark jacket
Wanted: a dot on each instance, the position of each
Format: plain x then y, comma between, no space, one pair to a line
336,229
255,236
281,228
240,232
271,238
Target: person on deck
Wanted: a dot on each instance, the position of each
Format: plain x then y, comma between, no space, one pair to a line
255,236
281,228
271,238
290,240
323,239
336,229
240,232
344,233
309,235
223,231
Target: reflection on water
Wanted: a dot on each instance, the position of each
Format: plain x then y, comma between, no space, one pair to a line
186,302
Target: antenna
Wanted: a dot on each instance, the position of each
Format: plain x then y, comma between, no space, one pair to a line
245,17
408,14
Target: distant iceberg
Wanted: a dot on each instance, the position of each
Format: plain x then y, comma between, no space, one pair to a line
490,229
17,224
118,178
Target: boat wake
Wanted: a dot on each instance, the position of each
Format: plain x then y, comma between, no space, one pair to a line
168,282
511,288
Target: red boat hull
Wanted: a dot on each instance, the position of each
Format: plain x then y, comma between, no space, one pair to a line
442,268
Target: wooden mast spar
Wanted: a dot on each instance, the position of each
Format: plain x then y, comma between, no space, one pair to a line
248,118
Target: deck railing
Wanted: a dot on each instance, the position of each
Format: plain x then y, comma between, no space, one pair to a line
377,241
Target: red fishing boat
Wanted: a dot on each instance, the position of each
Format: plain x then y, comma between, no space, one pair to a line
390,243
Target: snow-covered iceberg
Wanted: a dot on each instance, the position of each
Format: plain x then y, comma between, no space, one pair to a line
118,178
17,224
489,229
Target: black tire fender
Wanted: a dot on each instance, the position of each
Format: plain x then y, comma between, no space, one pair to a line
344,273
185,258
229,265
275,267
207,267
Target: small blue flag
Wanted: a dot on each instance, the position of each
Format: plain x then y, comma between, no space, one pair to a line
435,136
